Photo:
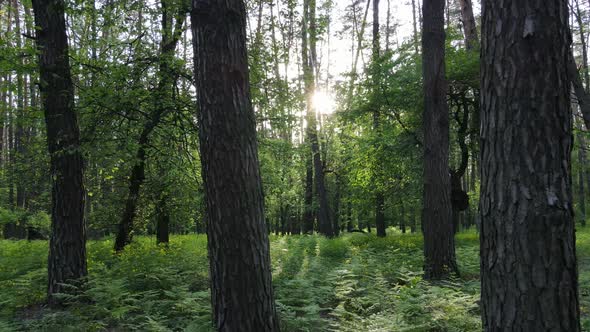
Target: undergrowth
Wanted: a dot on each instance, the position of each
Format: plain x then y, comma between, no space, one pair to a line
357,282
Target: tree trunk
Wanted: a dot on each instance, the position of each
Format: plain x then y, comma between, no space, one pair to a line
172,22
309,60
469,26
415,26
402,217
439,242
308,199
349,225
67,245
162,221
379,196
239,253
412,220
528,257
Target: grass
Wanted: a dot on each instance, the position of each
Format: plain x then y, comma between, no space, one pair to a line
357,282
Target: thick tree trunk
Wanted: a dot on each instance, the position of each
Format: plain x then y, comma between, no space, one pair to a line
439,242
67,245
239,254
528,257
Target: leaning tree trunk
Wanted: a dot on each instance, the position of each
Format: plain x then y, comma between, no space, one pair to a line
528,257
173,17
239,254
67,245
437,221
469,26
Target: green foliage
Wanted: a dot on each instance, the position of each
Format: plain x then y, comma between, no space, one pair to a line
357,282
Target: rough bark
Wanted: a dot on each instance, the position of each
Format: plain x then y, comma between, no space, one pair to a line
239,254
528,257
439,242
67,245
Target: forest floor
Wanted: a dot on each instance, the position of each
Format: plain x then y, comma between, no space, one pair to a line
357,282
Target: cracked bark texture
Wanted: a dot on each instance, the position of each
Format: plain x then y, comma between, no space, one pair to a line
67,244
439,241
528,259
239,257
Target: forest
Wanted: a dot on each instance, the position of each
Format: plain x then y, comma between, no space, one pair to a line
294,165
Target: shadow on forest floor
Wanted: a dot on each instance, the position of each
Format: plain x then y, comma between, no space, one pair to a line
356,282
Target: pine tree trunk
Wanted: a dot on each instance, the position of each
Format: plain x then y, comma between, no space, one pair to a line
67,245
239,254
437,222
528,256
469,27
379,196
309,59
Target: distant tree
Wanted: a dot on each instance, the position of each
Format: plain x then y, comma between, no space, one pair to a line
241,288
379,195
173,17
528,258
439,242
309,59
67,245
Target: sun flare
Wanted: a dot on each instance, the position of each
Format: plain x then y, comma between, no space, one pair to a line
324,102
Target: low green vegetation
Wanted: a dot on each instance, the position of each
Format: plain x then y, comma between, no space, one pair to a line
357,282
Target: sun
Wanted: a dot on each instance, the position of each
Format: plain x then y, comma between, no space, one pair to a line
324,102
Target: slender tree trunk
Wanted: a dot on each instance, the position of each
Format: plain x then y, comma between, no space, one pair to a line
412,220
437,222
308,215
309,60
172,22
379,196
239,254
528,256
162,221
67,245
581,173
402,217
349,225
469,27
415,26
